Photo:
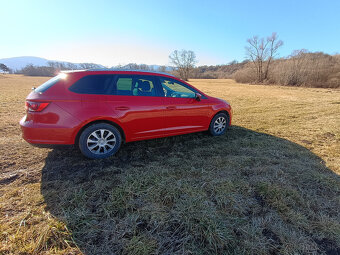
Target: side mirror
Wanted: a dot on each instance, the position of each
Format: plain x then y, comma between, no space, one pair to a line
198,96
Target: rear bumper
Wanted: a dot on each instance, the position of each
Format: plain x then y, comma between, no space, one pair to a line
44,134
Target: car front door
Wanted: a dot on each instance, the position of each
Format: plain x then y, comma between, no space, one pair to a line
183,113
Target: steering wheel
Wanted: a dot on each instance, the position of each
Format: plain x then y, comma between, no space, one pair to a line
175,94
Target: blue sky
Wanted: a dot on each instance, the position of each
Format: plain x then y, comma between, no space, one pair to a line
120,32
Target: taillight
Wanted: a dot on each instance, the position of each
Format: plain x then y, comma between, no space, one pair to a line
35,106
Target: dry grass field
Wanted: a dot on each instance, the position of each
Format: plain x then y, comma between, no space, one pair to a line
270,185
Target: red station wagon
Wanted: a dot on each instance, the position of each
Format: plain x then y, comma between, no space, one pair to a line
100,109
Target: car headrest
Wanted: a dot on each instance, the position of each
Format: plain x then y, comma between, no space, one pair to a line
144,86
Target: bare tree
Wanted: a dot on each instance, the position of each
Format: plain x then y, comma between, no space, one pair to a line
31,70
234,62
162,69
184,62
4,68
88,66
261,52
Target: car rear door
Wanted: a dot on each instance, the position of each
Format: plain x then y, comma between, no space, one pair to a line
135,100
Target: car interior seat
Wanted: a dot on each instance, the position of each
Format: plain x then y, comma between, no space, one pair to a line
142,88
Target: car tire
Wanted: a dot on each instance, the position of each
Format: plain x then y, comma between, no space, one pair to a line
219,124
100,140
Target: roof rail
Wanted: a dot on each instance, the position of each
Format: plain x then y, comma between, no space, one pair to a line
72,71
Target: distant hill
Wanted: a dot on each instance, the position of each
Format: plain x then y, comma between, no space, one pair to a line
17,63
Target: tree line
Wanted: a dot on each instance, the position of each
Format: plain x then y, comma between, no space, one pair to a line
51,69
262,66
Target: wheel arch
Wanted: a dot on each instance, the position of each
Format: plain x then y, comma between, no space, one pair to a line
120,129
222,111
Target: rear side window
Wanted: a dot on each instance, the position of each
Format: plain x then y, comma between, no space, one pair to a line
135,85
45,86
98,84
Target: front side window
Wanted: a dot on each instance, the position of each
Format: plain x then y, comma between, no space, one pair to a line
173,88
98,84
135,85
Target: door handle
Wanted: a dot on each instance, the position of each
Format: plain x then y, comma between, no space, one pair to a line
171,107
122,108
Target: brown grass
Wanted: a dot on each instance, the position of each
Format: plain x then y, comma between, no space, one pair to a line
270,185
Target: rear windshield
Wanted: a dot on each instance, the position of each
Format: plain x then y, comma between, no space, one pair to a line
45,86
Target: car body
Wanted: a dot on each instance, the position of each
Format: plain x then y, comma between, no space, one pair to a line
139,104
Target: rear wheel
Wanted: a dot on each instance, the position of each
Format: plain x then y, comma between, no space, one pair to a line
100,140
219,124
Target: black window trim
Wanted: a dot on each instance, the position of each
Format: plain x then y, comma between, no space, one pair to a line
112,88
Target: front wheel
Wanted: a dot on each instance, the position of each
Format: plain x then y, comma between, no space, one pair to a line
219,124
100,140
